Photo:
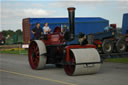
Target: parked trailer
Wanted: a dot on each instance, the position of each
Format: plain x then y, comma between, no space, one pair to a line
86,25
111,41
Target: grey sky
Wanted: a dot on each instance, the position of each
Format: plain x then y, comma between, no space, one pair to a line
13,11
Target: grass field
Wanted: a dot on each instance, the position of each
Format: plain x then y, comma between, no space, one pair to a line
13,51
117,60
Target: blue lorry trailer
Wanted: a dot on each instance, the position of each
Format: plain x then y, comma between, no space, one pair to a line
82,24
125,24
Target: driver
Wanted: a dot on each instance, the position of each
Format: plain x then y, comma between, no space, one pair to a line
37,31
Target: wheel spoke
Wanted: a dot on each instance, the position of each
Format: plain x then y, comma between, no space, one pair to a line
36,48
37,53
36,62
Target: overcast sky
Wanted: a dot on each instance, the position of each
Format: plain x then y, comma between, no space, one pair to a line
13,11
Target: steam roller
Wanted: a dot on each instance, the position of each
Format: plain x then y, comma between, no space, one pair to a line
68,50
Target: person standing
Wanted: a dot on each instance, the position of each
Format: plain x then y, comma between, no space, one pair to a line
37,31
46,29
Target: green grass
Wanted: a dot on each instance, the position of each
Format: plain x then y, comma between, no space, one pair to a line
14,51
117,60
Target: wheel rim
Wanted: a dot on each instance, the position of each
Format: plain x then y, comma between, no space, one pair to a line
34,55
108,47
122,47
70,68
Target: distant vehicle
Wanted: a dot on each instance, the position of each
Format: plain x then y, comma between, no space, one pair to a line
2,39
113,41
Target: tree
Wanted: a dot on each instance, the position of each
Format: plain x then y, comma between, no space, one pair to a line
8,32
19,32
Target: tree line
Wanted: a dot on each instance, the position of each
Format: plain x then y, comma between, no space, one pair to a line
11,32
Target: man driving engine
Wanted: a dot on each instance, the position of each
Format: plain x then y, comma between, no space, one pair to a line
37,31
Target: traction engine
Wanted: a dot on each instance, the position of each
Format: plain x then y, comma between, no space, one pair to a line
65,49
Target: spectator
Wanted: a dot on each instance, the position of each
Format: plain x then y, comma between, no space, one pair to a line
46,29
37,31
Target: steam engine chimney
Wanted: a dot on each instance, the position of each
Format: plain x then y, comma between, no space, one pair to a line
71,14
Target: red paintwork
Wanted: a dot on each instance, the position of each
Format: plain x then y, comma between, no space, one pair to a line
71,9
113,26
77,46
57,30
54,39
97,42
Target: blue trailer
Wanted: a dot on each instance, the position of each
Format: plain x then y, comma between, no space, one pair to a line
82,24
125,24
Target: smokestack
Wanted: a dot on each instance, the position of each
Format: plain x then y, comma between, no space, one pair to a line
71,14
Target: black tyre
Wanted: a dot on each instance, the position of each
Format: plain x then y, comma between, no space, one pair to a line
107,46
121,46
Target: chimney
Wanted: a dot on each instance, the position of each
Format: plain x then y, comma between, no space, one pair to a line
71,14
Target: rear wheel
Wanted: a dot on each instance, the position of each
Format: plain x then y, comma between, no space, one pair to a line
107,46
35,55
121,46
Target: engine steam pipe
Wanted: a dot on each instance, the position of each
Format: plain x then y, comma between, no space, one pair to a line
71,14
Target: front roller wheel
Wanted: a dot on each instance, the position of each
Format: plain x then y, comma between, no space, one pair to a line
70,68
83,61
37,59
